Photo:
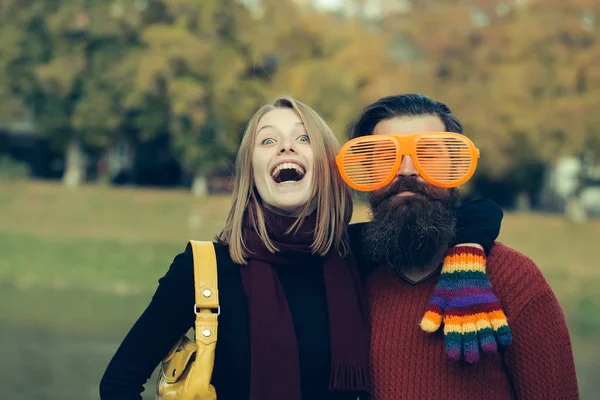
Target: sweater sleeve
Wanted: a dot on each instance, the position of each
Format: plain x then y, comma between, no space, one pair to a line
166,318
540,359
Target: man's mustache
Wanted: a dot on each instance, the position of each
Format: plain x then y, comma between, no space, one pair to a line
410,184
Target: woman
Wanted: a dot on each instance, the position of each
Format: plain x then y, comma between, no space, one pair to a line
293,322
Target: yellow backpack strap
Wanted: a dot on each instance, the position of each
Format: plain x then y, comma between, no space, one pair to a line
207,307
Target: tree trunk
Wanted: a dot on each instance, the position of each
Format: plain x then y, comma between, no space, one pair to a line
200,185
523,202
74,164
199,189
574,210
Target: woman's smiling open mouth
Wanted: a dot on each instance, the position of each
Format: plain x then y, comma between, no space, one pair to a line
288,172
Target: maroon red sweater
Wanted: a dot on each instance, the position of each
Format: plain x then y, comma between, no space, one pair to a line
409,363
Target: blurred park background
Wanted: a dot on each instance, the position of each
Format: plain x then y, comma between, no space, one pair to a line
120,119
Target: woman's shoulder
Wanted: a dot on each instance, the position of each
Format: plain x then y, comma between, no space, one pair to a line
179,279
182,267
355,234
355,230
357,246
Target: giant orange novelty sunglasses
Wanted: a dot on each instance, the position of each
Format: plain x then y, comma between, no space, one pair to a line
443,159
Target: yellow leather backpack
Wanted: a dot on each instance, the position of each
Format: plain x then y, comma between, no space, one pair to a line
185,373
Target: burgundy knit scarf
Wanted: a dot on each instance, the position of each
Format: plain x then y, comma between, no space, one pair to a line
275,368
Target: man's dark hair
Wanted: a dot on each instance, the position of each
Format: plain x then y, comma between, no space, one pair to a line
403,105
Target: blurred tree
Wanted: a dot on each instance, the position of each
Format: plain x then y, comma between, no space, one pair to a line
522,76
13,30
182,77
241,58
333,64
59,67
192,66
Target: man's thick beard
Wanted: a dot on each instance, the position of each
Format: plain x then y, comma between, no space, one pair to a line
410,232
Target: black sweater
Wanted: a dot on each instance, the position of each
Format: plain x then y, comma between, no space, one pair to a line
170,314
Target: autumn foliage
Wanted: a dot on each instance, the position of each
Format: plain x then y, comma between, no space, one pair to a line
524,76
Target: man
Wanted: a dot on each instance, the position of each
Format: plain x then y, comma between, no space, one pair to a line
409,363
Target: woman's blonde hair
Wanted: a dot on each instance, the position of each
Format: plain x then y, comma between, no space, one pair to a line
332,196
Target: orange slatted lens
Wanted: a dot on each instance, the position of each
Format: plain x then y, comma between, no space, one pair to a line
368,163
444,160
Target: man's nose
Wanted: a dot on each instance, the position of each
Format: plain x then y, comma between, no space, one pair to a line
407,167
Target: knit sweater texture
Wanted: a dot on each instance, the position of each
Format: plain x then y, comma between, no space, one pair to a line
409,363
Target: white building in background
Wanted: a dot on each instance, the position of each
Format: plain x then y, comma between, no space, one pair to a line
367,8
572,186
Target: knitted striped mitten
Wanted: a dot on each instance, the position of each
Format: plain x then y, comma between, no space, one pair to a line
463,300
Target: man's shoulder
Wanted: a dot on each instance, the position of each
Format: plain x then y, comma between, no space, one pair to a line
515,278
508,265
501,254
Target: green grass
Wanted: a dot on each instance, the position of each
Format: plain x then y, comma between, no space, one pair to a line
78,263
85,262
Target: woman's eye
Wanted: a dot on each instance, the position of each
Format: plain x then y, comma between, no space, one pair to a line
304,138
268,141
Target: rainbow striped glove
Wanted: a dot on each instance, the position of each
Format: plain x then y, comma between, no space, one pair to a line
463,300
